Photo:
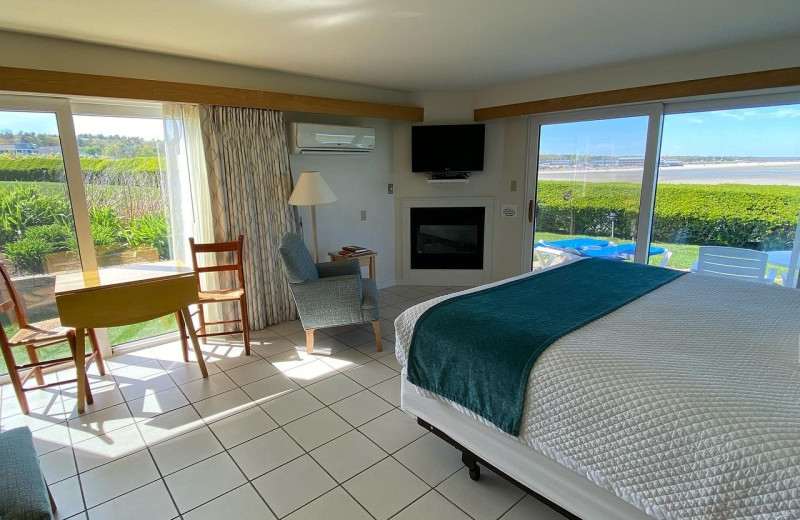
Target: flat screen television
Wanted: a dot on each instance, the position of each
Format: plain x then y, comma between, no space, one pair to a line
447,148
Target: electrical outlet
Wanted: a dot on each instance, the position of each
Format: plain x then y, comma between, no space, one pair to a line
391,189
363,214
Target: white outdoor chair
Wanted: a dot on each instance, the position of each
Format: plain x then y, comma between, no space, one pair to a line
548,255
665,258
735,263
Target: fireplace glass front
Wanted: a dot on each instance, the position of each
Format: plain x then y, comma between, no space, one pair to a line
447,238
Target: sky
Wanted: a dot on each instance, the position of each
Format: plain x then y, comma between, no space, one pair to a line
45,123
748,132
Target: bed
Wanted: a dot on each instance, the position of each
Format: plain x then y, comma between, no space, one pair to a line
684,403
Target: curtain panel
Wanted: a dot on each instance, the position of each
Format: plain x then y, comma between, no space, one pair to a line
187,183
249,185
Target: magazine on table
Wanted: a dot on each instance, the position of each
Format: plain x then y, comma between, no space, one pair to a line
354,251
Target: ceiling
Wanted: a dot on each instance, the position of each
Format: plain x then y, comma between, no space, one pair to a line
412,45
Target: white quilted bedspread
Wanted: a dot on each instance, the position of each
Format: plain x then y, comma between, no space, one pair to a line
685,402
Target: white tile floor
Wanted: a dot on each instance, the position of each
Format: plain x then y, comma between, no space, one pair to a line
278,434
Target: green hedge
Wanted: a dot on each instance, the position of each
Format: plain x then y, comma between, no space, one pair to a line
95,171
737,215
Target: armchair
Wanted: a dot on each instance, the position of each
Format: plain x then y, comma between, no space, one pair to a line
328,294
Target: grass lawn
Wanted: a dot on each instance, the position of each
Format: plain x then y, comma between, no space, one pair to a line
683,255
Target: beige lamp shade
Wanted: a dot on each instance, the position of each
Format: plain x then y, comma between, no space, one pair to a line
310,190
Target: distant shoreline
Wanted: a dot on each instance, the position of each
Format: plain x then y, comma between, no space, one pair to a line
768,173
685,166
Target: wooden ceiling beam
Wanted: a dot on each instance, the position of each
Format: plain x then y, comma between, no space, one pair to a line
696,87
75,84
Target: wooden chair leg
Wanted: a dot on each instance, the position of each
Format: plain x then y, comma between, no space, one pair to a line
202,317
184,338
245,325
378,341
310,341
34,357
98,357
16,383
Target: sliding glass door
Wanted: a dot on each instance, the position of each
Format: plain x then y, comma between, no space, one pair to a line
657,185
124,175
37,223
590,184
83,185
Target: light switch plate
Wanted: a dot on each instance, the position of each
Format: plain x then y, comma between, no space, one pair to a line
363,214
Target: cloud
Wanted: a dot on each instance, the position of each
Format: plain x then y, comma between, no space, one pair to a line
695,120
727,113
786,112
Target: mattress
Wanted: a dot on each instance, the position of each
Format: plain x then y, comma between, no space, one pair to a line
684,403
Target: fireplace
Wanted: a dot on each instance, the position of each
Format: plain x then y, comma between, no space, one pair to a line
447,241
447,237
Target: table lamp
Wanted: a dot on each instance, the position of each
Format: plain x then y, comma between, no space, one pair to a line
311,190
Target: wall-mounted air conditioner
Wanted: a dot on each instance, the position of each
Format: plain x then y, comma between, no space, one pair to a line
322,139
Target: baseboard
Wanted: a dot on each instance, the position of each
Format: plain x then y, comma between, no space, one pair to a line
383,284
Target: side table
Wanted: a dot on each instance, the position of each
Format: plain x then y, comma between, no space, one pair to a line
368,259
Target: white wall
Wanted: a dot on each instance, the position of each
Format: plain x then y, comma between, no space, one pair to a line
360,182
38,52
507,140
501,166
720,62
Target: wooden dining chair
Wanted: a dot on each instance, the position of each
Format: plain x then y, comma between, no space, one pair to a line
34,336
233,294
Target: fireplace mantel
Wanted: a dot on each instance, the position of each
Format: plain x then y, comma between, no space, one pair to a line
450,277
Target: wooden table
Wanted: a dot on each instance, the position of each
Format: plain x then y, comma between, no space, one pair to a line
368,259
124,295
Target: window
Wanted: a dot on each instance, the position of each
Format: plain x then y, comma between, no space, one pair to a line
722,172
124,177
82,185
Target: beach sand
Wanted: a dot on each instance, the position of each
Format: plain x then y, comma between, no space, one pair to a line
785,173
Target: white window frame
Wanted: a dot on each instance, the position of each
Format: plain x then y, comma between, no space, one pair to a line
653,111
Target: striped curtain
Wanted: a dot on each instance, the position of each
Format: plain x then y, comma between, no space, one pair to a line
250,183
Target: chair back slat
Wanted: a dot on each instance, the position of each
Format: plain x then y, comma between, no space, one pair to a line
216,247
733,262
6,305
14,298
217,268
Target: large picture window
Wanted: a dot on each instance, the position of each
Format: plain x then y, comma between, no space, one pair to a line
82,186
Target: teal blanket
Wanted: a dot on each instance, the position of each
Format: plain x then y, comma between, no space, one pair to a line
478,349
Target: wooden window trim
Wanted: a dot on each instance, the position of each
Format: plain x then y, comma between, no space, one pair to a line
767,79
75,84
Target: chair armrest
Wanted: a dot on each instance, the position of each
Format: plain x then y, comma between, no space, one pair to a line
329,301
340,268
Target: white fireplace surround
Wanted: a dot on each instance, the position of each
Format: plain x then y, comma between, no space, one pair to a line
450,277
